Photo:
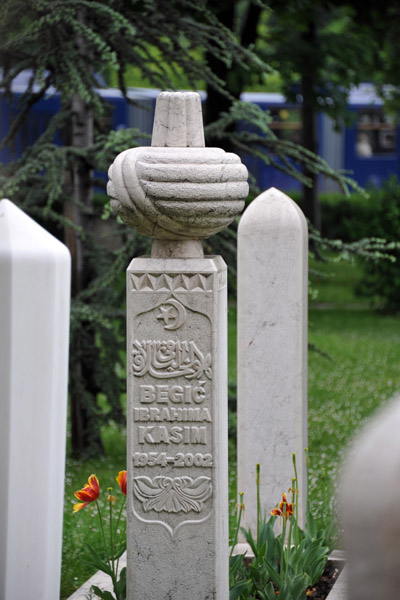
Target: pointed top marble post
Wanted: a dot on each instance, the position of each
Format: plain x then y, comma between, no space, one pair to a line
272,351
177,191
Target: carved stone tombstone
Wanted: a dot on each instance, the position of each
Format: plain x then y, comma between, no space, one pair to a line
177,192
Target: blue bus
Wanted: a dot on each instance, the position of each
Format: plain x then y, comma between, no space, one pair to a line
369,148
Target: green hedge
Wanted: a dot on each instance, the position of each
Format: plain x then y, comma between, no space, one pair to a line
348,218
359,216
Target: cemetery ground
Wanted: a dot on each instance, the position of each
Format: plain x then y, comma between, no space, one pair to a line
355,369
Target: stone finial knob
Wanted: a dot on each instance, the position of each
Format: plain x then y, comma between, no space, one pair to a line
178,121
177,189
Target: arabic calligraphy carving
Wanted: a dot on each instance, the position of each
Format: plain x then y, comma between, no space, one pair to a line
167,359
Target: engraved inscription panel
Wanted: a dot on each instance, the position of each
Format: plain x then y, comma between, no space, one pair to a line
171,406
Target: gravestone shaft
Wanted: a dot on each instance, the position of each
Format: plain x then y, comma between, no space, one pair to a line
177,544
177,192
272,352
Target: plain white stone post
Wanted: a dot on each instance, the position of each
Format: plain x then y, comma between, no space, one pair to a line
34,326
272,350
370,492
177,192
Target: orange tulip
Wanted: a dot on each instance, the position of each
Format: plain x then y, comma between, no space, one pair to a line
89,493
121,480
285,508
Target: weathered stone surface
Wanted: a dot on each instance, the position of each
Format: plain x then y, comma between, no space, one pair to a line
370,509
179,192
272,350
34,328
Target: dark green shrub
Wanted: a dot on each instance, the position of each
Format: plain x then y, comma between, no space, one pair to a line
374,216
381,281
346,218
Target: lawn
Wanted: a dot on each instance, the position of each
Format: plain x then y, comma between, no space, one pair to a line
361,373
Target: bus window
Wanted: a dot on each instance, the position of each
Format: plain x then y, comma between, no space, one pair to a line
376,133
286,123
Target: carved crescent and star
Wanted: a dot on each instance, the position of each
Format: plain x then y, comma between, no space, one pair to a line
173,313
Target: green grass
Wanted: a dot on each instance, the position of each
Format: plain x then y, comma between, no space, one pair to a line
362,373
333,283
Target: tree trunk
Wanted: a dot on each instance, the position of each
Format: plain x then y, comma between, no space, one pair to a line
310,204
234,77
85,432
218,103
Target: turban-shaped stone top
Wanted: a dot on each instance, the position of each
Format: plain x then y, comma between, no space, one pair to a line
177,189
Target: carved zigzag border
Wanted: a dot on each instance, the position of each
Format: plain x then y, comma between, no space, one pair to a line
144,282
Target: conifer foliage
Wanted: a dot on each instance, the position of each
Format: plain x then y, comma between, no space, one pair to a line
64,45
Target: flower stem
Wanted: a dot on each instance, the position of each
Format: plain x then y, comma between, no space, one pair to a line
239,518
102,531
112,541
288,545
282,557
116,529
258,501
295,488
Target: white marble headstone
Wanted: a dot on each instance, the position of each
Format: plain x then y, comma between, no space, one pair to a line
177,192
272,351
34,330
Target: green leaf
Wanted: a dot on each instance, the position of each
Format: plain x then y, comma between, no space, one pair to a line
270,592
239,588
99,562
268,536
118,553
294,588
102,594
273,573
235,563
297,555
314,553
249,538
120,587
